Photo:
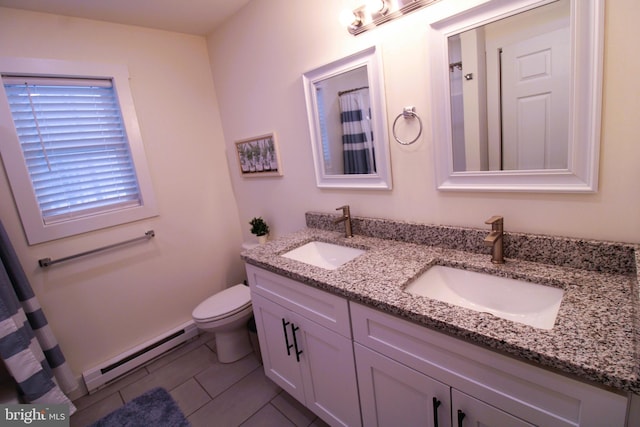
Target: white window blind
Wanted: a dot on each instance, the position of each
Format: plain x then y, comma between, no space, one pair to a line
326,153
74,144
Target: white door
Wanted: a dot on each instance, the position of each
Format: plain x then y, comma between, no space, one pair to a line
273,323
470,412
331,387
392,394
535,102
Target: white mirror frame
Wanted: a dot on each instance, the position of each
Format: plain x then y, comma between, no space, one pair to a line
587,39
381,180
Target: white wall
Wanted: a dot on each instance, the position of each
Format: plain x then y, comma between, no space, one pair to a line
101,305
258,59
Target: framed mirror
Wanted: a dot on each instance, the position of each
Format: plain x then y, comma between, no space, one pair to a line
346,112
516,92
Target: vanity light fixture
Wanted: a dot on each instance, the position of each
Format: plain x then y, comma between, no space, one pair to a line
377,8
352,19
376,12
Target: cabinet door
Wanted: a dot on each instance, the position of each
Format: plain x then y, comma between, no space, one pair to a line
276,346
392,394
331,387
470,412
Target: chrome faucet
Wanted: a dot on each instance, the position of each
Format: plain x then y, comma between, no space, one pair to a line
346,217
495,239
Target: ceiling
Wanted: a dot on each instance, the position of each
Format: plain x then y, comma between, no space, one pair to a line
198,17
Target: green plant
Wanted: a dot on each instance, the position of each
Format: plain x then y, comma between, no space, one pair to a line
259,227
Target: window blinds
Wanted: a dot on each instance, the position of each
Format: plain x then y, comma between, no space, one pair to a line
326,152
74,144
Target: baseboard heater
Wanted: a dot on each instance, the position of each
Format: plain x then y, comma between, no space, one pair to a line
96,377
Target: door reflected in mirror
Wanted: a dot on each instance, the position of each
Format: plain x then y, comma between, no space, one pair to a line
510,92
516,90
346,112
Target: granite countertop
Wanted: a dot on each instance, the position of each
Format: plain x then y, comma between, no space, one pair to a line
594,338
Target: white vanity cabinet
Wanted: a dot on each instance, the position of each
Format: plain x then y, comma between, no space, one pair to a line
313,343
473,412
488,388
392,394
306,345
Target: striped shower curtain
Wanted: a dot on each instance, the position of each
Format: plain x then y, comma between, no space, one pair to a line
357,135
28,348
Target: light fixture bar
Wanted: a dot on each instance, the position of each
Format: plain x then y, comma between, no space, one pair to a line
410,6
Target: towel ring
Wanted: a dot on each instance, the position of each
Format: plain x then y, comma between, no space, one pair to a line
407,113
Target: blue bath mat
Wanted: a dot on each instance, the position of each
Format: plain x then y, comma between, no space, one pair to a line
153,408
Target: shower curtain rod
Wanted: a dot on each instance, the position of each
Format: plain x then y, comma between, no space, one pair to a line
352,90
46,262
457,65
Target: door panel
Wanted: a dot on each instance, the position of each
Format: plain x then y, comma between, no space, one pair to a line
471,412
535,102
279,365
392,394
331,387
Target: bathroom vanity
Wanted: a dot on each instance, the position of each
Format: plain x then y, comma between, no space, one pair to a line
358,349
306,345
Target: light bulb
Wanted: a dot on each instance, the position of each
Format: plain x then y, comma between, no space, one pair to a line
349,19
377,6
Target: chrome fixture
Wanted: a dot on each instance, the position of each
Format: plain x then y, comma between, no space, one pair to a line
46,262
376,12
346,217
495,239
407,113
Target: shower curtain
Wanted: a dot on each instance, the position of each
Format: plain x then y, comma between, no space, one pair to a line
42,376
357,135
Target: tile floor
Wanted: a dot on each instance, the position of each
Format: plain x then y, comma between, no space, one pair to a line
208,392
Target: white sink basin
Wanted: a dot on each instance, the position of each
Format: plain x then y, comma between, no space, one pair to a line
324,255
529,303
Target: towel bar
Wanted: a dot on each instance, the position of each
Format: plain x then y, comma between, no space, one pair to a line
46,262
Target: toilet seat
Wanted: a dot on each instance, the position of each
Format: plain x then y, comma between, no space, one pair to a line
223,304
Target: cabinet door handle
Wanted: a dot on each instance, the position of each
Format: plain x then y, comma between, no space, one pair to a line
294,328
461,416
436,404
286,337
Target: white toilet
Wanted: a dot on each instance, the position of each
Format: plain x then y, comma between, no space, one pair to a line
226,315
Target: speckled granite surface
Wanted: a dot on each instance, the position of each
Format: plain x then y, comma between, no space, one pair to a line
593,255
595,337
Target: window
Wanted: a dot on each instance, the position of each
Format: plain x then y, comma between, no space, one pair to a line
74,145
76,153
326,153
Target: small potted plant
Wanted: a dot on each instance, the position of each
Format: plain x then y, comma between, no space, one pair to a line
260,228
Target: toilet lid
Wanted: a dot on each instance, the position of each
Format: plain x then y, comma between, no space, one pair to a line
224,303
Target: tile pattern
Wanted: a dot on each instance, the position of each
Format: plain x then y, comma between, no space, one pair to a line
208,392
595,337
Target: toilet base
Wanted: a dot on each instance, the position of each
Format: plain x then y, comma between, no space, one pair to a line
232,345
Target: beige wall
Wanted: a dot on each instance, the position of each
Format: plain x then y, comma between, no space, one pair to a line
258,59
101,305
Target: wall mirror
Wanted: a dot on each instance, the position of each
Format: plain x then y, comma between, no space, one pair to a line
346,111
516,92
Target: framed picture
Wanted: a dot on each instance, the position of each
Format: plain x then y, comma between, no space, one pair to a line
259,156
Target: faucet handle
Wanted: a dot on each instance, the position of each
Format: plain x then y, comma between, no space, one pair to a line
494,219
345,209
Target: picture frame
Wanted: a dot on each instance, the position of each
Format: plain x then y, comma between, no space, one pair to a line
259,156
